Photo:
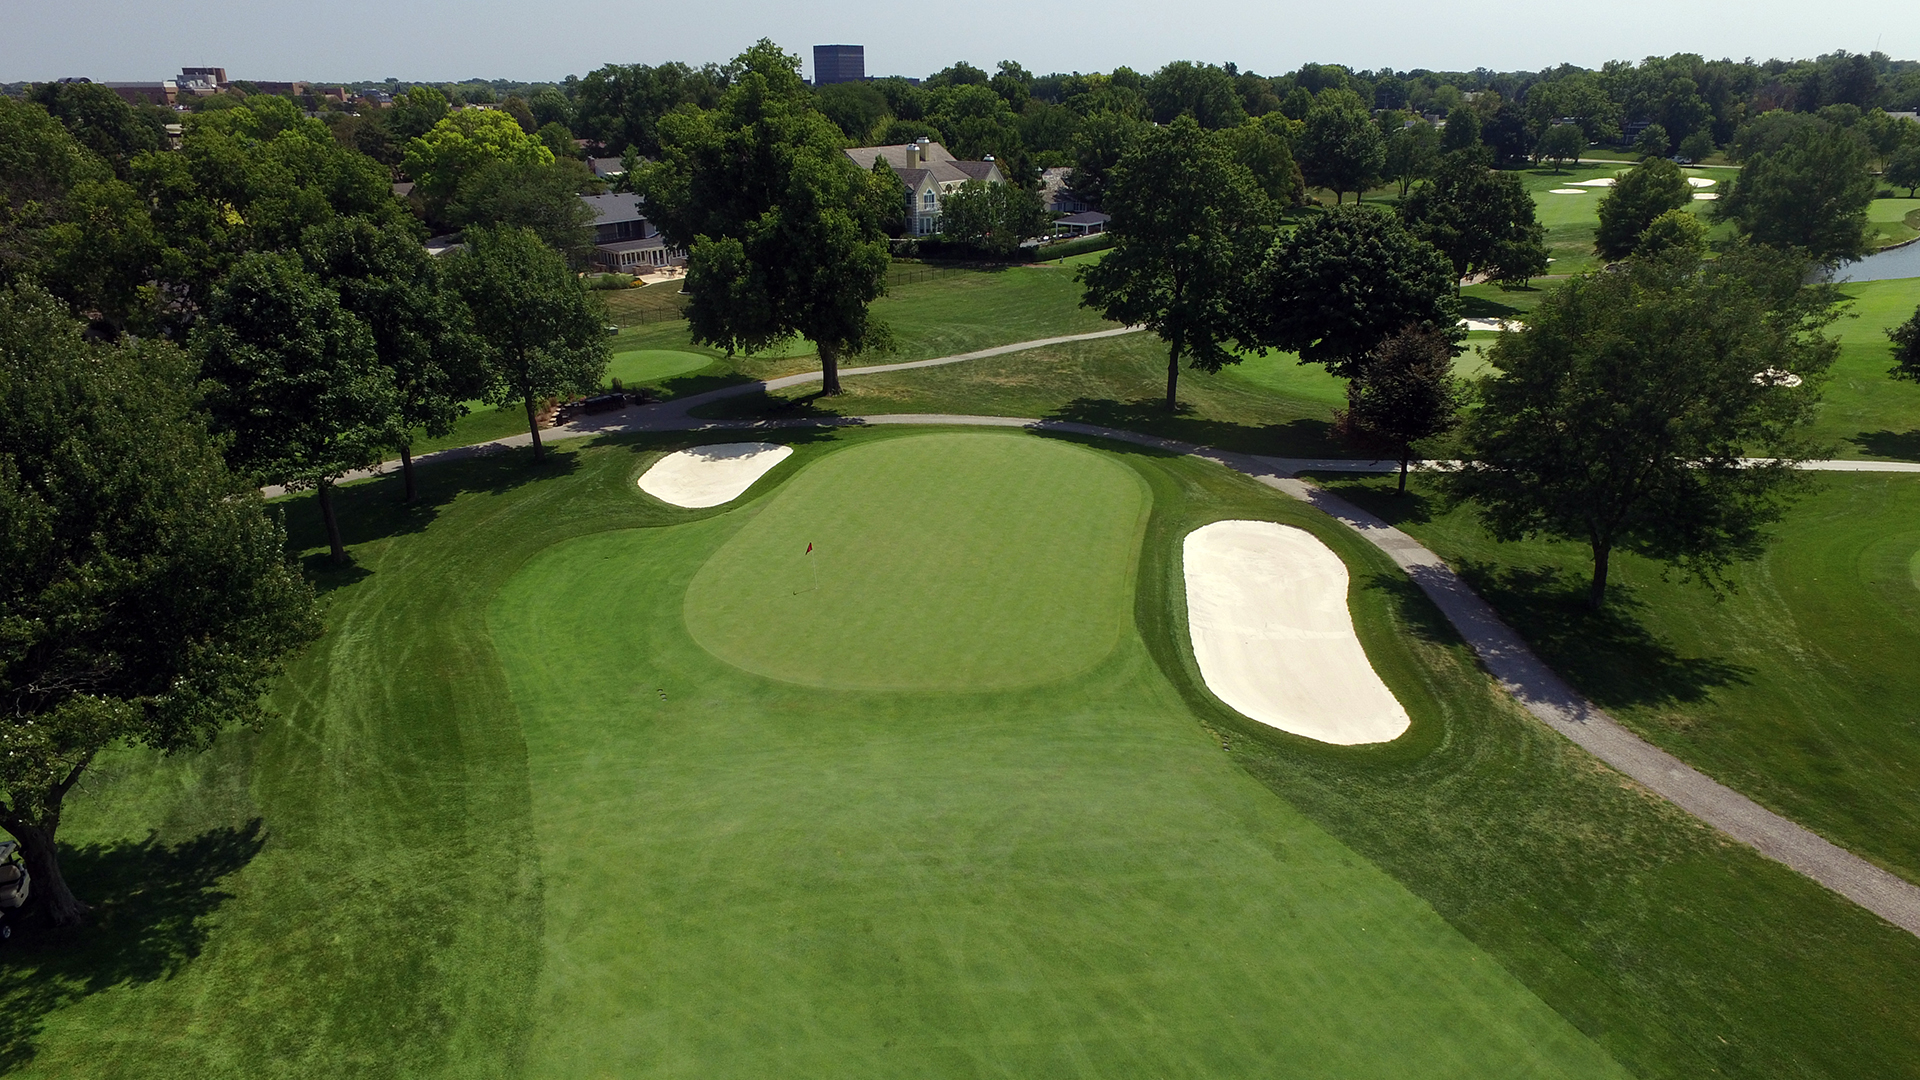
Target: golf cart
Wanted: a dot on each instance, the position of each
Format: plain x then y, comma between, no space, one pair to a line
15,884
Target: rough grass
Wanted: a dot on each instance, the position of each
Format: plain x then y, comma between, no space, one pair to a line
406,875
1798,688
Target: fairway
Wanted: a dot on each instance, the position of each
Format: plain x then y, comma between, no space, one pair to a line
745,877
942,562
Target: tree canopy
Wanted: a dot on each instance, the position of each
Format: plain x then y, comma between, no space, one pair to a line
1647,408
1342,283
1341,148
785,234
145,595
1482,220
992,218
1189,226
1560,144
1646,191
537,332
459,145
1404,391
1811,194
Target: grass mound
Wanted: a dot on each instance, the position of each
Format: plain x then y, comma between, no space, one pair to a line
939,562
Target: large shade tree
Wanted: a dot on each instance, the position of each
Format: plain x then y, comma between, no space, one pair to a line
1189,225
1481,219
294,381
145,595
1402,392
1645,192
1339,285
537,331
1342,148
1812,193
420,328
785,234
1649,408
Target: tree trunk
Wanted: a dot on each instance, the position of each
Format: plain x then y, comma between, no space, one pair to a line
406,471
1173,373
829,371
50,889
1597,592
324,491
533,428
1404,458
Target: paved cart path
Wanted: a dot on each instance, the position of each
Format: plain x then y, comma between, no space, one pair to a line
1532,683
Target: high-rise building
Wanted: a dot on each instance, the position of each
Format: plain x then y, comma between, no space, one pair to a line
838,64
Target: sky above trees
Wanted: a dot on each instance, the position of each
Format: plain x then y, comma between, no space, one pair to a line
458,39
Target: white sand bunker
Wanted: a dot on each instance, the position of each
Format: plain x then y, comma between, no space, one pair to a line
710,475
1493,326
1704,196
1701,181
1566,191
1267,606
1604,181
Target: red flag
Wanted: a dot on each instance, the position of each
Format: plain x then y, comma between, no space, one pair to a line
809,547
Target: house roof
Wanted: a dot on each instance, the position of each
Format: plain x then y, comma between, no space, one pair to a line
936,163
1090,217
606,166
611,209
655,241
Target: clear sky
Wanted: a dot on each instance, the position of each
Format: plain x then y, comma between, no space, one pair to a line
445,40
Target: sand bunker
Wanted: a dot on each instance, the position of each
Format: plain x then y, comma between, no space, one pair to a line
710,475
1701,181
1492,326
1566,191
1704,196
1604,181
1267,607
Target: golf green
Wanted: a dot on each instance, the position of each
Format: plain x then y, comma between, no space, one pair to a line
942,562
742,876
641,367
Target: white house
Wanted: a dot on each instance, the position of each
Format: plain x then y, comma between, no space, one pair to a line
929,172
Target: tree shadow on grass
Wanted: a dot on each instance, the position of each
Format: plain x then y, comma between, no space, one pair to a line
1483,307
1609,655
150,906
1889,444
372,510
1294,438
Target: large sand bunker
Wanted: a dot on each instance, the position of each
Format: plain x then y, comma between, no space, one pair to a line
1602,181
710,475
1267,607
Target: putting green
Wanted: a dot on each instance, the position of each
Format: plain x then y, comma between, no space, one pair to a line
939,562
643,367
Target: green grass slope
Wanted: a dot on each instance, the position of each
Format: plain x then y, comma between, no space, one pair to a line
747,877
372,886
1799,688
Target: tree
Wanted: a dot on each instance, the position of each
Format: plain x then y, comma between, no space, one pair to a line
537,332
146,595
516,107
1344,282
385,278
417,112
1561,143
113,129
544,198
1404,391
1810,194
1462,130
1103,140
1643,410
1260,146
293,382
1189,226
856,108
1412,154
1675,230
1646,191
1342,149
1906,348
787,236
621,105
993,218
1653,142
1202,91
461,145
1697,146
1481,220
1903,168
